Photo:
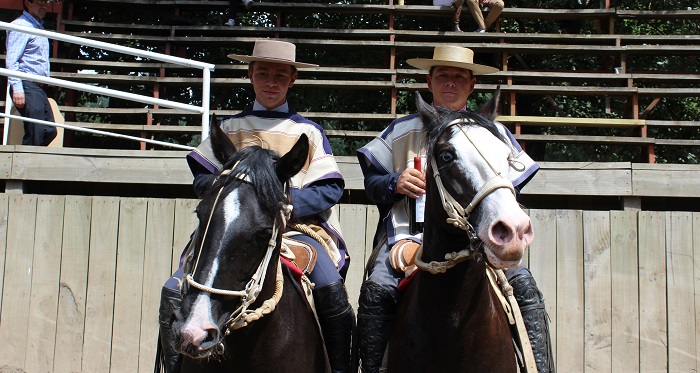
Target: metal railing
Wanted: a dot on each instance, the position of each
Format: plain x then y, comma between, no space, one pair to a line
206,84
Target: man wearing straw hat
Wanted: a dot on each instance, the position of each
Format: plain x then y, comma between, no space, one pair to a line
271,123
387,165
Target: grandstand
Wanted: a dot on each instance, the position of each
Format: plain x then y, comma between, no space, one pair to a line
371,84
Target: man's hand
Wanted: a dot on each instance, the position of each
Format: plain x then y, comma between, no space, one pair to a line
411,182
484,2
18,99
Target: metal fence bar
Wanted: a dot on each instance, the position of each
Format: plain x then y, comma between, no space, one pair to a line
206,68
107,46
98,132
102,91
8,110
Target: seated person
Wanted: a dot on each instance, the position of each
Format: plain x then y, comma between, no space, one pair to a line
495,9
272,70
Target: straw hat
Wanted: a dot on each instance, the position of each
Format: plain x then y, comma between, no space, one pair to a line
452,56
277,51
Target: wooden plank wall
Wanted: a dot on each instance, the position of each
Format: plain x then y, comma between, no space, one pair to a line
81,278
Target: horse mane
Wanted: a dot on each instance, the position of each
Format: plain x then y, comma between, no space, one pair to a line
258,165
445,117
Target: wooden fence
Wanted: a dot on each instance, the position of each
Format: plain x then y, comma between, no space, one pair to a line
82,275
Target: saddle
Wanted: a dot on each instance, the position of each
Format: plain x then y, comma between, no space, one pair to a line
299,253
403,256
300,258
403,259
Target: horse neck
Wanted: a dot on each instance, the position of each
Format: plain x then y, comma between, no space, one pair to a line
439,237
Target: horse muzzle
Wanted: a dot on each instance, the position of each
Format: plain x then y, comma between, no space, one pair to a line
507,239
203,344
199,338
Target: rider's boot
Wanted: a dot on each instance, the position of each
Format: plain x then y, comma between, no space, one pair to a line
170,359
337,321
374,317
457,6
531,303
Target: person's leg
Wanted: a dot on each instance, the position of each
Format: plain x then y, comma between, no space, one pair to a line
457,6
476,13
169,357
335,314
170,301
531,303
36,106
496,7
379,296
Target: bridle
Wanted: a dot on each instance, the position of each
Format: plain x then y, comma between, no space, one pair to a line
457,215
241,316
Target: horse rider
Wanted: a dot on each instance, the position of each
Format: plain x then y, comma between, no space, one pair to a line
390,179
270,122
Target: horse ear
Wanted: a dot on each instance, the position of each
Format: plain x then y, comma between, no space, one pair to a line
427,112
291,163
490,108
220,143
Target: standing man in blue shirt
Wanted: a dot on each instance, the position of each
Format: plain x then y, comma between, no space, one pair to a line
30,54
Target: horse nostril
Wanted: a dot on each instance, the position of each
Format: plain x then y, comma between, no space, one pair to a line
210,339
501,233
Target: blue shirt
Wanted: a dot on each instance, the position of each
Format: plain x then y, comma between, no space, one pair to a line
27,53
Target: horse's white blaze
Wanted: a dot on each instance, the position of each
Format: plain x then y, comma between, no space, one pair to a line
503,226
200,318
494,152
232,208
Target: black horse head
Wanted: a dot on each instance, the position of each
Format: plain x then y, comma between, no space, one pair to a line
472,158
241,218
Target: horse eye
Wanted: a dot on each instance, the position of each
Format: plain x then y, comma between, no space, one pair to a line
263,236
446,157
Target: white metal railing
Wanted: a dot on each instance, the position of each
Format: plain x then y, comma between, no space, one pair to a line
206,83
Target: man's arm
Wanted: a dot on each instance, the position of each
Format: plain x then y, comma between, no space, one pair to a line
520,179
16,44
203,179
317,197
379,187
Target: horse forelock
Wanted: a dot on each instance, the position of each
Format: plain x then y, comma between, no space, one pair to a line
446,118
258,166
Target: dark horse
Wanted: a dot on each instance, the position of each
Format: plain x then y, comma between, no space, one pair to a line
241,311
450,318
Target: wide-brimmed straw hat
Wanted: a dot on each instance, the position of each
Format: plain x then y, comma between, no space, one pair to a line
277,51
452,56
